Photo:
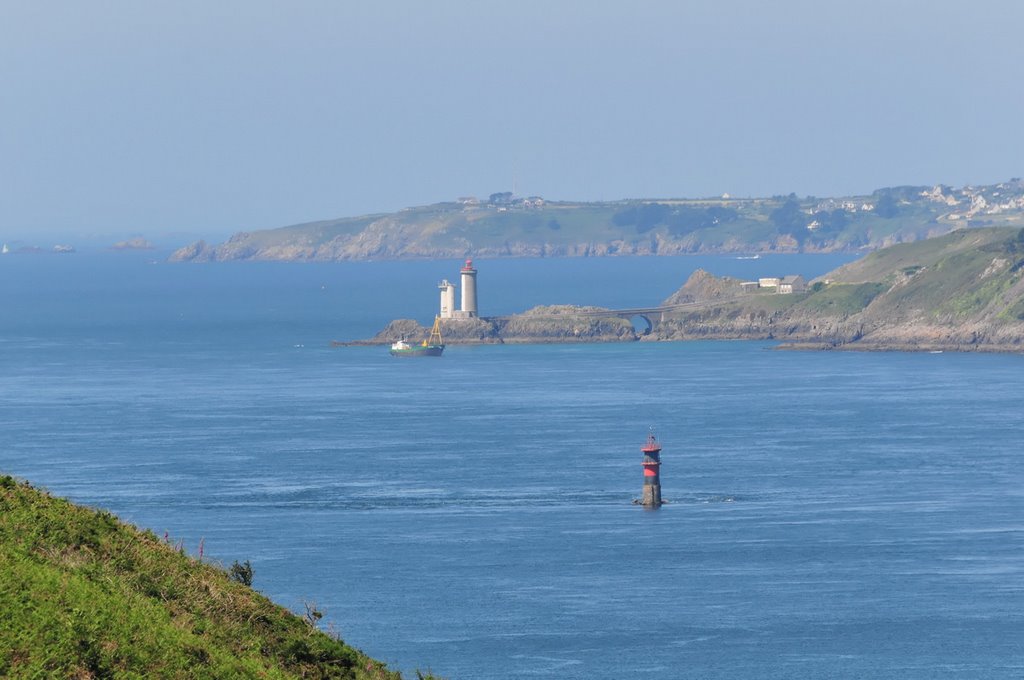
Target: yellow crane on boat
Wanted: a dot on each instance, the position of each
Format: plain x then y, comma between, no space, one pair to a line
432,345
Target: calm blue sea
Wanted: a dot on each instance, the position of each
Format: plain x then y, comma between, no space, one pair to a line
832,515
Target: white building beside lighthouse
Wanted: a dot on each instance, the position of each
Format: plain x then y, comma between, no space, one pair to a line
468,308
447,299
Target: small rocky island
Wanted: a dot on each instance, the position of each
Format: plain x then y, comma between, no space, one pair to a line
963,291
546,324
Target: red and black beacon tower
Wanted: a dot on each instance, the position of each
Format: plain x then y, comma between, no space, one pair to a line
652,473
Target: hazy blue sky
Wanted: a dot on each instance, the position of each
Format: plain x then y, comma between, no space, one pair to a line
215,116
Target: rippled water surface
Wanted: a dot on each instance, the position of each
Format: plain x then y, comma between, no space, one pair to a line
832,514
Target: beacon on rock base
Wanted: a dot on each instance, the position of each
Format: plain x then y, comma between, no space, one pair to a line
652,472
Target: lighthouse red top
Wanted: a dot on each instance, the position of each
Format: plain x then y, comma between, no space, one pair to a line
469,265
652,445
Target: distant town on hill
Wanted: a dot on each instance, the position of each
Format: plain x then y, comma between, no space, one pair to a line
504,225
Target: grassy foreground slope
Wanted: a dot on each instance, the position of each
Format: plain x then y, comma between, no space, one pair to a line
83,595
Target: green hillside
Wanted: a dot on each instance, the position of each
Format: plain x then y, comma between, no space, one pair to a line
506,226
83,595
964,290
967,275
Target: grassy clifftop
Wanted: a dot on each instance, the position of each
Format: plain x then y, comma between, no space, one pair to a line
969,275
83,595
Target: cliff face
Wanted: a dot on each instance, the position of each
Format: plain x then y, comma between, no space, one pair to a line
398,244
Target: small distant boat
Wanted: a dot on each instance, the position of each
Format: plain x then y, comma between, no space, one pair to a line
749,257
5,250
432,346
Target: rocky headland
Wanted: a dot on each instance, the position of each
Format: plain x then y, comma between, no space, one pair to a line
503,225
963,291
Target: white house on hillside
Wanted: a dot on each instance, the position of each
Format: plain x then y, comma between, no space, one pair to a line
794,283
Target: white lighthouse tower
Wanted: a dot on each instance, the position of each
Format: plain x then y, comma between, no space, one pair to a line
469,290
